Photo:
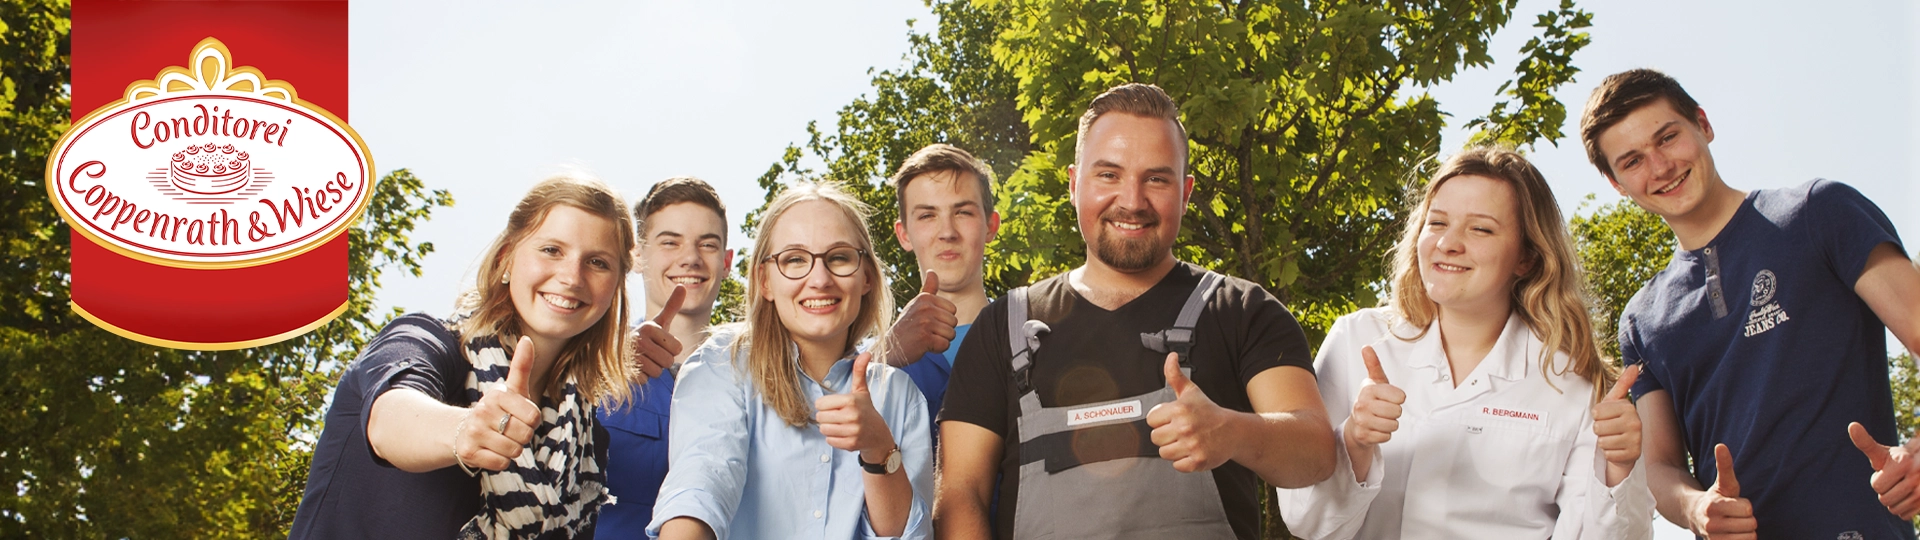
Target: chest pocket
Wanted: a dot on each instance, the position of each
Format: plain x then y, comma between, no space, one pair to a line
1492,449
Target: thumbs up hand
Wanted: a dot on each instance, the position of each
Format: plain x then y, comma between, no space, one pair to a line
1719,512
1376,415
1189,428
849,420
656,347
501,424
1617,425
1894,475
925,325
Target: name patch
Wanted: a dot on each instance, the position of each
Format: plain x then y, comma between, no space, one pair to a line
1101,413
1523,416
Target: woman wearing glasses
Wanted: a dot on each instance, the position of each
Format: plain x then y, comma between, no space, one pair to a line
779,430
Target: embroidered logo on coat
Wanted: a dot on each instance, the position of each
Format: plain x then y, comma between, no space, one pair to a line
1102,413
1766,313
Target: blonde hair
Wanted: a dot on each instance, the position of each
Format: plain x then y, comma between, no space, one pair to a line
771,359
1551,296
596,359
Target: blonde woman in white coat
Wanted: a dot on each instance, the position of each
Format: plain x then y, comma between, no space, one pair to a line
1475,403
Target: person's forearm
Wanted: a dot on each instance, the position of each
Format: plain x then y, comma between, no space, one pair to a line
1289,450
889,501
1673,487
1362,458
412,430
685,528
959,514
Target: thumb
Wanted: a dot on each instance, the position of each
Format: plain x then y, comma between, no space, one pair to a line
674,300
1876,454
932,284
859,375
1175,379
1374,372
519,371
1620,388
1727,485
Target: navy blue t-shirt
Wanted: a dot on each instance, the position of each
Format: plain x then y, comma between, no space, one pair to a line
637,458
1764,346
352,493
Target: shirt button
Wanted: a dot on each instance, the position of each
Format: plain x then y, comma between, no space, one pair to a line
825,457
816,514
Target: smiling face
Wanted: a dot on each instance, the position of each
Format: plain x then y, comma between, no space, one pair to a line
1129,191
564,275
819,307
685,244
1470,251
1660,159
946,225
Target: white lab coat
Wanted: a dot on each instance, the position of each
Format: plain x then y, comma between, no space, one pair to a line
1503,455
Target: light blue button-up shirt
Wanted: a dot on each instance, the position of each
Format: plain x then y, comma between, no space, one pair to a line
735,465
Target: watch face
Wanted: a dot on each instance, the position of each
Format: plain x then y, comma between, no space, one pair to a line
893,461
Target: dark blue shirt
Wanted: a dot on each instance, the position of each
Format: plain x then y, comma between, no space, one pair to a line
930,374
1763,345
637,458
352,493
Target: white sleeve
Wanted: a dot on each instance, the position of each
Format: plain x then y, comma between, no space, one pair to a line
1591,510
1336,507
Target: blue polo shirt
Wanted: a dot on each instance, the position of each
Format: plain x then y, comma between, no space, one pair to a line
1764,346
637,458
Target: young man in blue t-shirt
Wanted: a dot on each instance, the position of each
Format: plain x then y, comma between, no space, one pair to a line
1762,342
946,219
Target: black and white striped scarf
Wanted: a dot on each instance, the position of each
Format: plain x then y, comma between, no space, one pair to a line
555,488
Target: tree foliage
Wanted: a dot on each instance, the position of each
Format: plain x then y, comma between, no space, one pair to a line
108,437
1306,118
1621,246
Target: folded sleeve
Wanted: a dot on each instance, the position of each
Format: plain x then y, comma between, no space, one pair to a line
1591,510
906,417
707,443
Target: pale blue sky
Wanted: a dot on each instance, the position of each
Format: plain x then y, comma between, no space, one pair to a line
485,98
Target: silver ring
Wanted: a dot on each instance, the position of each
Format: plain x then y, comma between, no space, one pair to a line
501,426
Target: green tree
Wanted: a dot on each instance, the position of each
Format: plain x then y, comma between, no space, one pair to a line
1621,247
1307,123
107,437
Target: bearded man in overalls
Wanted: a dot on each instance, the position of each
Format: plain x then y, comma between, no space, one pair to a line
1136,396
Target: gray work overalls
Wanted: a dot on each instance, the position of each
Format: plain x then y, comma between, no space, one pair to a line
1070,490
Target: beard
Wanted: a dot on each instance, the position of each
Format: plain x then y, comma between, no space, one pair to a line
1130,255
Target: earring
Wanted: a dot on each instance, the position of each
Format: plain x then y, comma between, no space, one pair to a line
504,278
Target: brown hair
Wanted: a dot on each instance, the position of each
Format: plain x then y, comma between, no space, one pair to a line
596,359
1621,94
676,190
1137,99
941,157
771,359
1551,297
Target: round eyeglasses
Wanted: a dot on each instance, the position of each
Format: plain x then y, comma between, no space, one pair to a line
797,263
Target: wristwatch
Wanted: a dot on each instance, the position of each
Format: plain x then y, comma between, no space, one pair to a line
889,466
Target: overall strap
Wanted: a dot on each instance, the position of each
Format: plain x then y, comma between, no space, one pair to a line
1179,338
1022,338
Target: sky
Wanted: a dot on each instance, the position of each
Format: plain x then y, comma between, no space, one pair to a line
483,99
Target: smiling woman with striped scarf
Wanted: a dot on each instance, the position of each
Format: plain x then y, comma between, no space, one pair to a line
442,429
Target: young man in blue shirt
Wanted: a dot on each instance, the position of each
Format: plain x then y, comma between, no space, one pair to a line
681,258
946,219
1762,340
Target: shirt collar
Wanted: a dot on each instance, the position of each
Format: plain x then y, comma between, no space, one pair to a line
1508,359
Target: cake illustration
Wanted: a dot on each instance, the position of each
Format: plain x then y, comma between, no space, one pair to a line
210,170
